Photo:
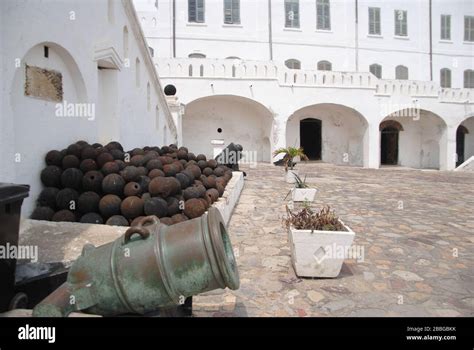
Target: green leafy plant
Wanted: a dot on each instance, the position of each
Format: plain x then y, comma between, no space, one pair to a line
290,153
300,183
306,219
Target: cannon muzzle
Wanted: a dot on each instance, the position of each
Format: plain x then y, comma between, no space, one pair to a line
151,266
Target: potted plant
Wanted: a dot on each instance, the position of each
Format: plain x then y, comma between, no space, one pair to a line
290,153
302,192
319,241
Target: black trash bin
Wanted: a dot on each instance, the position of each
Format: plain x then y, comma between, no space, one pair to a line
11,199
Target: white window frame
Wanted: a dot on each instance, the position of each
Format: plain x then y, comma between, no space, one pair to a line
401,22
231,11
445,27
469,28
292,13
323,15
375,26
199,15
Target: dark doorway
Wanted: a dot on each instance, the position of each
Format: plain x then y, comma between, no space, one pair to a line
389,146
460,137
310,137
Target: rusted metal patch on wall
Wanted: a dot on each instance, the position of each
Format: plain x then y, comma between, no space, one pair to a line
43,83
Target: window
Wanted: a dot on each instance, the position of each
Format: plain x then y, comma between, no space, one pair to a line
401,72
292,13
445,78
293,64
468,28
197,55
324,65
232,11
323,15
196,11
445,27
469,79
401,23
376,69
137,72
374,21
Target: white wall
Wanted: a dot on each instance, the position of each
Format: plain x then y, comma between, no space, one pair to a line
242,121
469,138
81,35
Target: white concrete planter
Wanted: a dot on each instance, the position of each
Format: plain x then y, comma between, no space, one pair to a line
303,194
321,253
290,176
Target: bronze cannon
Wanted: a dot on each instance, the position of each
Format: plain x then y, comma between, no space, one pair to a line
151,266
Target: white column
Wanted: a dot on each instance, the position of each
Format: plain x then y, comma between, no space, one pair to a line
447,149
372,146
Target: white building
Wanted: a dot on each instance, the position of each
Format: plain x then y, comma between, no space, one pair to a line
89,56
353,82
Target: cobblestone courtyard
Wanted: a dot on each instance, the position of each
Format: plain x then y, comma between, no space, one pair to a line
416,227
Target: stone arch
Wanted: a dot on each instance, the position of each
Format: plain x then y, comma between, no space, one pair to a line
344,136
465,140
211,123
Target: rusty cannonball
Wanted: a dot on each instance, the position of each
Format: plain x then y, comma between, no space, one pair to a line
165,150
201,157
88,202
194,208
220,180
219,171
155,173
42,213
132,189
110,168
67,199
89,152
173,206
227,176
136,220
177,218
143,181
75,150
212,163
165,160
92,181
202,164
207,171
104,158
117,220
70,161
207,201
113,184
137,160
114,145
137,151
170,169
220,189
109,205
91,218
64,215
82,143
54,157
97,145
191,162
164,186
132,207
184,180
142,171
117,154
194,191
72,178
182,154
121,164
88,165
149,155
183,162
146,196
208,181
156,206
47,197
154,164
166,221
130,173
198,182
196,171
191,156
213,194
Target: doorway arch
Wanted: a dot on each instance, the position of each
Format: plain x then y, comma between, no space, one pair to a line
389,137
310,137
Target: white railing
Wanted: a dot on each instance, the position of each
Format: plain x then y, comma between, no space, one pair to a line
260,70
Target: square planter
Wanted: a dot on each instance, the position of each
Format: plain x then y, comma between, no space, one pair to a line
321,253
290,176
303,194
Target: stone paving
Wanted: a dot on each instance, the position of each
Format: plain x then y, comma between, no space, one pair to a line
416,227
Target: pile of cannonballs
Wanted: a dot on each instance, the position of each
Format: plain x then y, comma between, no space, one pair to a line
103,184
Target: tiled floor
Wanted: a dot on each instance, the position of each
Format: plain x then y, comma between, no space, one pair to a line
416,228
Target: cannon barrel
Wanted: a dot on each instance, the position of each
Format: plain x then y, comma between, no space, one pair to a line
151,266
230,156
